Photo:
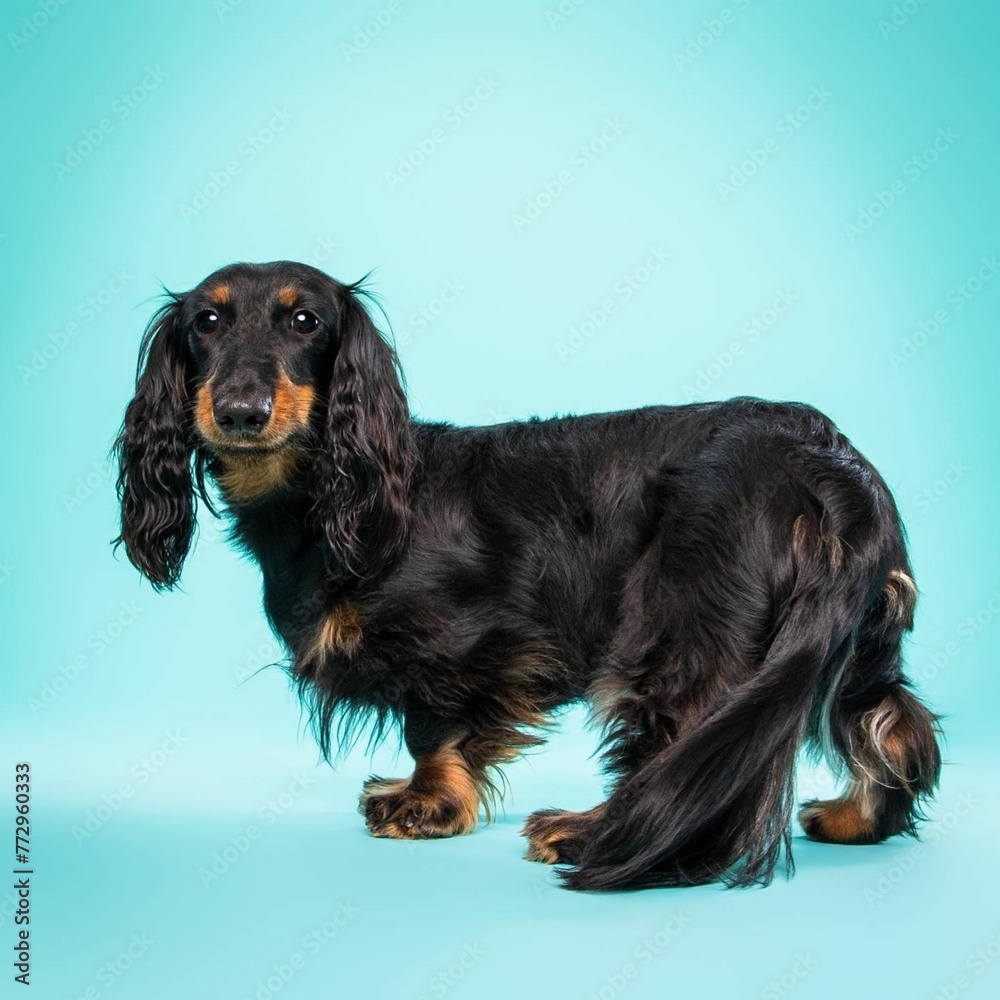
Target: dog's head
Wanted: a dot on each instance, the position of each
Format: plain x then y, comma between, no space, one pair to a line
269,376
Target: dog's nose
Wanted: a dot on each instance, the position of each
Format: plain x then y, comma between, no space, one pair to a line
242,415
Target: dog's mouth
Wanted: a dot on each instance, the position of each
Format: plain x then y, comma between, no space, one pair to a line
247,449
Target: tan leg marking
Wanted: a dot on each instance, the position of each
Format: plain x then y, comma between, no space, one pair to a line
556,837
901,595
441,799
849,819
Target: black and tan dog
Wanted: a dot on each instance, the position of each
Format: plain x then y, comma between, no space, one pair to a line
722,582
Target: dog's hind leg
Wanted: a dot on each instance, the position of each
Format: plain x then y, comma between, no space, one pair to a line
877,730
634,729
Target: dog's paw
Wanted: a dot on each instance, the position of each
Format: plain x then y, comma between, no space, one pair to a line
556,837
393,808
837,821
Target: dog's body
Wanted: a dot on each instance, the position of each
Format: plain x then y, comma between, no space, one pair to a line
721,582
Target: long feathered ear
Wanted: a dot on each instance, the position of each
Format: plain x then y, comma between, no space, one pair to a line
154,449
365,460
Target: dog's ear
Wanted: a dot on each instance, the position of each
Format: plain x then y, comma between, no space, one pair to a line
154,448
365,460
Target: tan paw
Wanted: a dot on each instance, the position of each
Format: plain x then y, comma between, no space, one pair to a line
556,837
394,808
838,821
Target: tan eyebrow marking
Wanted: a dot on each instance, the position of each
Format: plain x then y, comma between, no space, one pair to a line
288,295
220,295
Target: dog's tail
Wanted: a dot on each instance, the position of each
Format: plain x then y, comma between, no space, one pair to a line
716,803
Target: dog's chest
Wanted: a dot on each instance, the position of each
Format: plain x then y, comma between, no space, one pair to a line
296,590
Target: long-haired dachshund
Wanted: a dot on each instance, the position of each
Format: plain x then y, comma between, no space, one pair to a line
722,583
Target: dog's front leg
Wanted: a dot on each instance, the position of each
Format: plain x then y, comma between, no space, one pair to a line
440,799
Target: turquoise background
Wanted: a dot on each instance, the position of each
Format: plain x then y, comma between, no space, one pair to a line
871,239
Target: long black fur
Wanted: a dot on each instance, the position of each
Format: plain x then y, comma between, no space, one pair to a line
724,582
154,451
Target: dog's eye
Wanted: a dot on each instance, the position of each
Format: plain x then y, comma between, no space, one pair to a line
207,321
304,321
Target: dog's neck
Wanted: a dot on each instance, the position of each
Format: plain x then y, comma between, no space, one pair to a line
266,498
264,495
